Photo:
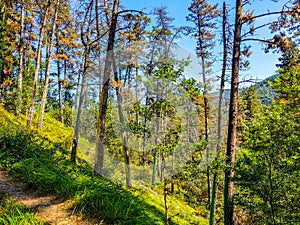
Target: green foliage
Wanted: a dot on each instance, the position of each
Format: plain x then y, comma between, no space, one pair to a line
265,91
249,107
287,84
18,145
41,164
15,214
268,167
270,161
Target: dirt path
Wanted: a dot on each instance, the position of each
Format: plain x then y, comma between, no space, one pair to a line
50,209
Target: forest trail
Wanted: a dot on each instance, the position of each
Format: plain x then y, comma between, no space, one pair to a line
50,208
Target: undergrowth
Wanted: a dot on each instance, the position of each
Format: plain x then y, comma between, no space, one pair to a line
12,213
44,165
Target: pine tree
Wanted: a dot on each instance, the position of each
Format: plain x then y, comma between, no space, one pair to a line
203,15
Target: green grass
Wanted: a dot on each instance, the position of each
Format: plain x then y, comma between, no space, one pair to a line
12,213
42,161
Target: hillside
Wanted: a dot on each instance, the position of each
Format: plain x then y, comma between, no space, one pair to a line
265,91
41,161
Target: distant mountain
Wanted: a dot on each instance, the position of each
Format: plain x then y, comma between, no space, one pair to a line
265,91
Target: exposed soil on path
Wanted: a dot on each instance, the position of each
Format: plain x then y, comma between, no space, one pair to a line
50,209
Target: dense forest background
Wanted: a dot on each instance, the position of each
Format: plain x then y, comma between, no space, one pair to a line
114,77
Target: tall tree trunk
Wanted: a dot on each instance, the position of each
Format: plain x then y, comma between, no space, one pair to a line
206,109
45,89
214,194
233,110
154,167
37,68
80,105
165,193
172,177
155,153
21,60
60,92
104,92
206,130
59,82
124,133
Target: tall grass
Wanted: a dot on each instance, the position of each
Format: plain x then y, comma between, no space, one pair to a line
32,159
12,213
44,165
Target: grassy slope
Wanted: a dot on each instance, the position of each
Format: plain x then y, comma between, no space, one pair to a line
13,213
41,160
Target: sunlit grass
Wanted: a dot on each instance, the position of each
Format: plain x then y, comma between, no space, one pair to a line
43,164
12,213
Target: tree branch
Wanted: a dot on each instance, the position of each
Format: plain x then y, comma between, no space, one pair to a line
255,28
257,39
130,10
266,14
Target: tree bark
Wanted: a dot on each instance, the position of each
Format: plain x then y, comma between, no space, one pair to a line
45,89
37,68
214,194
60,98
81,100
165,193
21,61
104,92
232,125
124,133
206,107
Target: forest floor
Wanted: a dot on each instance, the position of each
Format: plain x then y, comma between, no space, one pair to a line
50,209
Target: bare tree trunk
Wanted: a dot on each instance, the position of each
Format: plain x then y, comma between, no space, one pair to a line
125,138
60,93
21,61
206,131
37,68
104,92
206,109
45,90
173,168
233,110
165,193
59,82
80,105
214,194
155,154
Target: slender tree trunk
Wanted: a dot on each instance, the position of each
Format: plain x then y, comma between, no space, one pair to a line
59,82
104,92
37,68
3,30
173,168
125,138
233,110
165,194
154,168
206,109
214,194
81,101
206,131
60,97
155,154
21,60
45,90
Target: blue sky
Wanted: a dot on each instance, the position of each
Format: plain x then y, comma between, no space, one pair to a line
262,65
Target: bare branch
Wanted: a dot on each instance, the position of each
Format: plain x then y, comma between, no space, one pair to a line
266,14
257,39
130,10
253,29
